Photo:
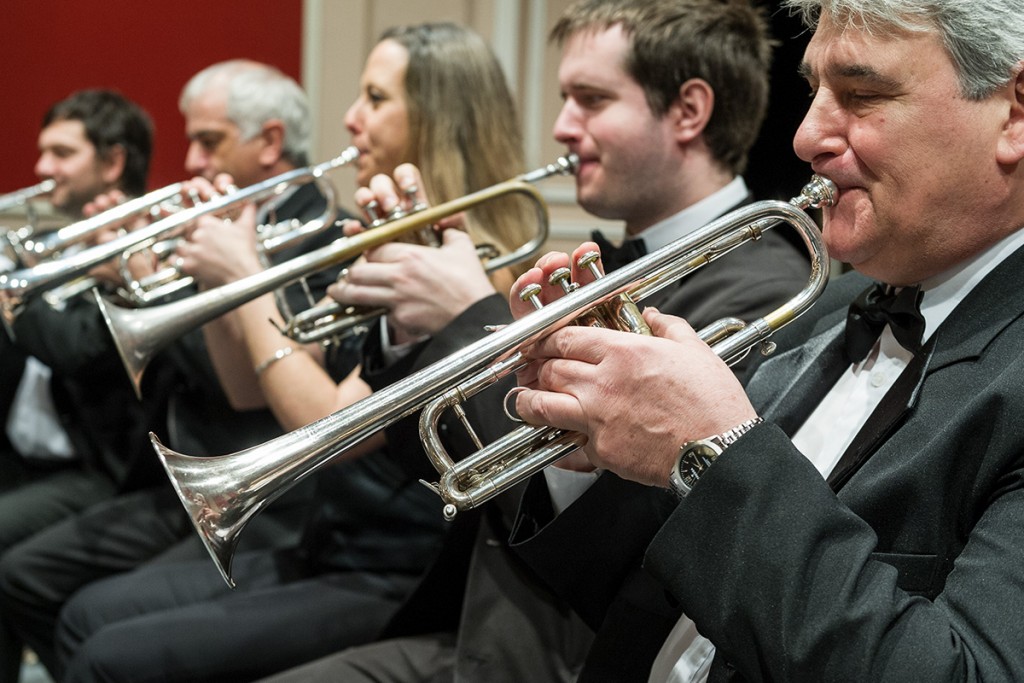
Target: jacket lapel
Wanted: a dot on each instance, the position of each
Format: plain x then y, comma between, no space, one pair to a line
986,311
786,388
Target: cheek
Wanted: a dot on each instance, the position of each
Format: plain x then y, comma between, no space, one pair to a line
78,169
850,229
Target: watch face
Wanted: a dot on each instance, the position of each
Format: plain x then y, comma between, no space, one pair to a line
702,453
697,456
696,459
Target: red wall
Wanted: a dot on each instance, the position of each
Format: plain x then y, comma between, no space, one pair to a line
146,49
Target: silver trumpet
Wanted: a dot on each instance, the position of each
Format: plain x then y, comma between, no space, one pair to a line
16,286
34,249
141,333
222,493
19,198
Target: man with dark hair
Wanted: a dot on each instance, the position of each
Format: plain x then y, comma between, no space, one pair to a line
65,435
856,511
92,142
139,518
89,144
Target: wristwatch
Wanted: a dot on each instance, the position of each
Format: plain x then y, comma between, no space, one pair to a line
697,456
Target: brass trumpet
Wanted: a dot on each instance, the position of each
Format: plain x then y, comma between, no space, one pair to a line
222,493
16,286
142,333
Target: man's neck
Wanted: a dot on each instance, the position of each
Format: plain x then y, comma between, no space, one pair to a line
694,186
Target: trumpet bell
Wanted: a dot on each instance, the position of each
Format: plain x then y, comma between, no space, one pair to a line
218,518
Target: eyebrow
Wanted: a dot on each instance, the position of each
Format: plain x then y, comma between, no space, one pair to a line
206,133
861,72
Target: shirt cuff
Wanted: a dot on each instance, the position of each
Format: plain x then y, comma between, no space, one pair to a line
392,353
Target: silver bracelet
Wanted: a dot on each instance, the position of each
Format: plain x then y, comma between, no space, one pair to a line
282,352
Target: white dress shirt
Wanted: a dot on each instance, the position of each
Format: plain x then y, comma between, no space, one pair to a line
32,426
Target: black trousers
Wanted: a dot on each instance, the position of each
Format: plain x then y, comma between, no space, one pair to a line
40,574
180,621
422,659
34,496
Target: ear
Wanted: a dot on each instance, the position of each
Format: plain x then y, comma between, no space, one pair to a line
691,110
1010,150
272,139
112,165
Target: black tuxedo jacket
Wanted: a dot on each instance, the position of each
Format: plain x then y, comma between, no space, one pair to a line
909,569
913,569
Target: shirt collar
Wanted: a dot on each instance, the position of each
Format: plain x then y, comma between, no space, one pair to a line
943,292
694,216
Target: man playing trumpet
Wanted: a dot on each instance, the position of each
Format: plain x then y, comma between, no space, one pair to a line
855,513
252,120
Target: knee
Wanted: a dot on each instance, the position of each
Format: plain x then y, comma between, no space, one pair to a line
13,570
74,627
105,656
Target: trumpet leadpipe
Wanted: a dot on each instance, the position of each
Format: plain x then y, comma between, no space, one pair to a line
18,198
17,285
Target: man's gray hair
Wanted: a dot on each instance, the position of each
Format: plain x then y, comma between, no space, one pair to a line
257,93
984,38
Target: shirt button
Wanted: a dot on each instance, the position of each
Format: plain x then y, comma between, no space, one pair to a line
878,379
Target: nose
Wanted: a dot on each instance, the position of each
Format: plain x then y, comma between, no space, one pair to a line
45,167
352,122
568,128
821,133
196,159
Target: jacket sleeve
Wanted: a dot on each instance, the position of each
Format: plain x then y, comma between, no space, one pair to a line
74,342
787,581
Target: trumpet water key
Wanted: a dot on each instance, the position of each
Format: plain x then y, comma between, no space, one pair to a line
221,494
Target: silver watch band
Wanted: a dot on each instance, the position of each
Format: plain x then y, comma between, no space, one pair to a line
730,436
695,456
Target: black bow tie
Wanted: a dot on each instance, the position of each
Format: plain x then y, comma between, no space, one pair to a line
878,306
615,257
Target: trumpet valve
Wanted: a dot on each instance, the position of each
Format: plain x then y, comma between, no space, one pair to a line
372,210
589,262
531,293
563,278
416,203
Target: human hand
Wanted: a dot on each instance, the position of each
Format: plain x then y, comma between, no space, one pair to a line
423,288
217,250
141,262
102,202
636,398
